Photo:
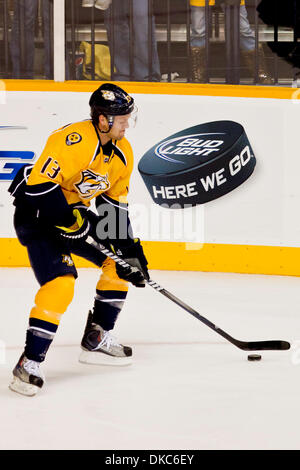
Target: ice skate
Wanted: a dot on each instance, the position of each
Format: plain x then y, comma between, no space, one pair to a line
27,377
100,347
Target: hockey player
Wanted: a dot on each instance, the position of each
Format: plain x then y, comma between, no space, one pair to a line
81,161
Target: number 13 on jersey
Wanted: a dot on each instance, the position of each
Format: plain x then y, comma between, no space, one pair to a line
51,168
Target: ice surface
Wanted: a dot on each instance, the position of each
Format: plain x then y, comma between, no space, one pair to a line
187,388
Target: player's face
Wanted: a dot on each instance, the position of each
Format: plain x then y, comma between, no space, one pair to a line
121,123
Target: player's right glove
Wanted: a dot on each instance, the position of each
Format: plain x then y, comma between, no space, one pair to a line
79,231
133,254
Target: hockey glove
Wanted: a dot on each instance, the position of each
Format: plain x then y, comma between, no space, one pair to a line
133,254
79,231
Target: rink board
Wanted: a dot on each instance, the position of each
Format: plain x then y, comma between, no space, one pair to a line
253,229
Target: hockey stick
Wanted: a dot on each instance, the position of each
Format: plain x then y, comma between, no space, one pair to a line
272,345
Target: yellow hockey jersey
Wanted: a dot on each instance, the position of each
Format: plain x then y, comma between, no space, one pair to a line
74,159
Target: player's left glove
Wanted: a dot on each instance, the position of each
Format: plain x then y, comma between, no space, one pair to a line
133,254
79,231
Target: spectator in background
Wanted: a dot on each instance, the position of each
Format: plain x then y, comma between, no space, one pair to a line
247,41
26,11
118,31
287,15
100,4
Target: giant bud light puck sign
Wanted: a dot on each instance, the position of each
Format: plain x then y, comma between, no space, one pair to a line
198,164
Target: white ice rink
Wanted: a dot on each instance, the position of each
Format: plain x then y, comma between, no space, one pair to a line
187,389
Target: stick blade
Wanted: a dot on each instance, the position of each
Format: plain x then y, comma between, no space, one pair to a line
274,345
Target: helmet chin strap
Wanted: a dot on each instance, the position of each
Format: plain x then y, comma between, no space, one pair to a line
103,132
110,120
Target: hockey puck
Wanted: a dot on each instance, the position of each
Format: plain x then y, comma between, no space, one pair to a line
254,357
198,164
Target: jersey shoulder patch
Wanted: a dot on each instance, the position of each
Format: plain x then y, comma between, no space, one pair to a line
73,138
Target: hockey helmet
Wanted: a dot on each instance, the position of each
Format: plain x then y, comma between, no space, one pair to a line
110,100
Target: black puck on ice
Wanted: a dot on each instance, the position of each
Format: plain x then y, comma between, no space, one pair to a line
198,164
254,357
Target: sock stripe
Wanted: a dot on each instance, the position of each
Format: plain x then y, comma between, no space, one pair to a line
47,332
44,325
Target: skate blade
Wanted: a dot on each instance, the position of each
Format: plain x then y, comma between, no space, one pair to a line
23,388
98,358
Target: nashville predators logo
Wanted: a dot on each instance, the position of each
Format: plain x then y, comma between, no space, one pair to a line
73,138
68,260
108,95
91,183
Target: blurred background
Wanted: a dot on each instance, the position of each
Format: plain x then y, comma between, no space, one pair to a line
248,42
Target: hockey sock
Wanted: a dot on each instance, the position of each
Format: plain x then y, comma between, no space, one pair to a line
107,307
51,301
38,340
